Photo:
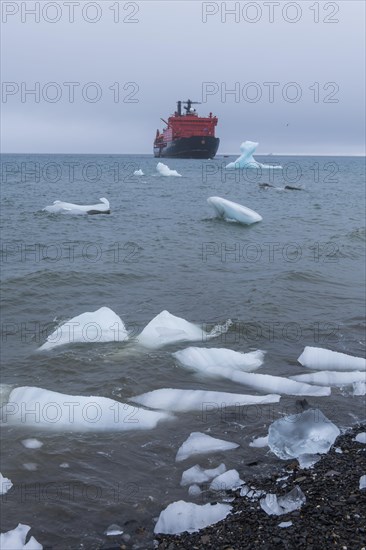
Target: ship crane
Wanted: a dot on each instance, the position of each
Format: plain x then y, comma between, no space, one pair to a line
187,107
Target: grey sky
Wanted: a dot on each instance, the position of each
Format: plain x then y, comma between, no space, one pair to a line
170,53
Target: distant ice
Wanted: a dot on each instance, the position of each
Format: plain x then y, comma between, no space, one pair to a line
232,211
246,160
185,516
32,443
361,437
59,207
362,483
164,170
196,474
202,358
307,433
199,443
74,413
5,485
174,400
166,329
30,466
259,442
102,325
15,539
113,530
138,173
331,378
278,506
227,481
324,359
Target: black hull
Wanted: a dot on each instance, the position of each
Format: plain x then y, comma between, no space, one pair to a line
197,147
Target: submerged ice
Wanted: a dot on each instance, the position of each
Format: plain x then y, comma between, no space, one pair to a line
60,207
232,211
199,443
246,160
325,359
197,475
183,516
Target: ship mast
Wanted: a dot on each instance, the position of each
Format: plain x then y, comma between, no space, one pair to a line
187,107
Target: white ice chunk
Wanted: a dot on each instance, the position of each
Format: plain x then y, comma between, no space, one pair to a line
173,400
361,437
331,378
5,485
113,530
15,539
102,325
232,211
164,170
325,359
194,490
259,442
199,443
60,207
359,388
166,329
227,481
278,506
309,432
32,443
202,358
138,172
196,474
362,483
246,160
285,524
61,412
185,516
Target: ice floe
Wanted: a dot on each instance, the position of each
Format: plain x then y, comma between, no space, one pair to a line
362,482
325,359
174,400
61,412
60,207
199,443
166,329
331,378
246,160
102,325
227,481
306,433
138,172
15,539
183,516
197,475
202,358
164,170
232,211
361,437
5,485
32,443
278,506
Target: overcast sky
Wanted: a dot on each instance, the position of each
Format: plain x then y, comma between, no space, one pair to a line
158,52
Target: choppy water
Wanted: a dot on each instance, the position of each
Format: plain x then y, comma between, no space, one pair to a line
295,279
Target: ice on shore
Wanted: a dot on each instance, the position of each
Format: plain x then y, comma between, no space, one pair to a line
361,437
259,442
166,329
199,443
138,172
5,485
227,481
174,400
32,443
15,539
74,413
202,358
325,359
362,482
183,516
60,207
285,524
102,325
278,506
307,433
246,159
232,211
164,170
331,378
197,475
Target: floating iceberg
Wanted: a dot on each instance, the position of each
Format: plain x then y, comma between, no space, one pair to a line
325,359
32,443
278,506
185,516
331,378
15,539
196,474
362,482
166,329
169,399
59,207
199,443
202,358
227,481
102,325
246,160
138,173
232,211
5,486
307,433
259,442
164,170
74,413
